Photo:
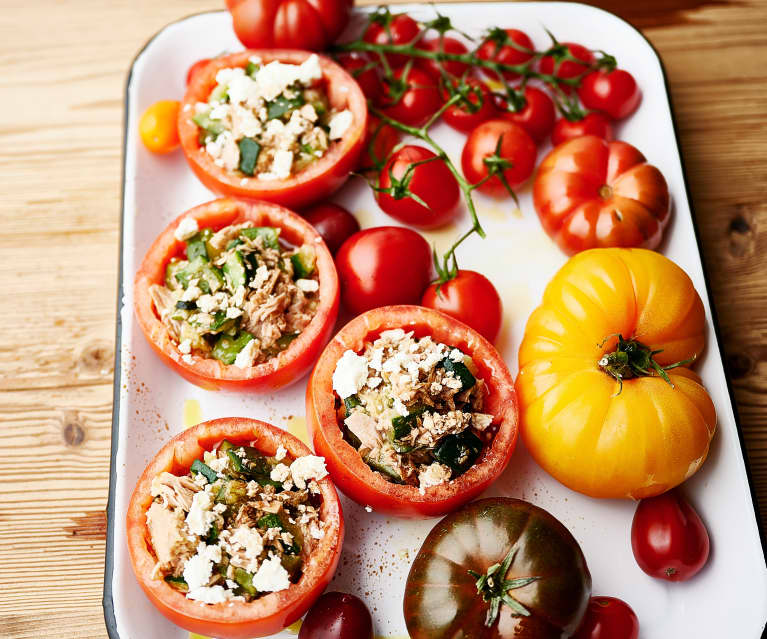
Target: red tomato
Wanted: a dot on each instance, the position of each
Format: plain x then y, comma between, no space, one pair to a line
447,45
590,193
337,615
195,68
419,101
608,618
536,117
234,620
613,92
517,147
471,298
381,266
668,538
289,24
460,116
506,46
323,176
431,181
567,68
591,124
333,222
363,70
401,29
380,139
344,463
282,369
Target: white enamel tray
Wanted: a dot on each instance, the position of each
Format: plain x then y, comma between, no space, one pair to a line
727,599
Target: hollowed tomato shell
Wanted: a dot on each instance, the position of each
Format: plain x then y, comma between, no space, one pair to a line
232,620
282,369
351,474
315,182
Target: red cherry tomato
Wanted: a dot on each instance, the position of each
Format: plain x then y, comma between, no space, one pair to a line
363,70
337,615
430,181
333,222
401,29
471,298
382,266
419,101
517,147
461,116
592,124
536,117
566,69
195,68
608,618
380,139
508,47
448,45
614,92
668,538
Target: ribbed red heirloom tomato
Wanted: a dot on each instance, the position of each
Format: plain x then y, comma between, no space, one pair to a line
536,116
608,618
285,367
238,619
507,46
316,181
593,123
590,193
368,487
613,92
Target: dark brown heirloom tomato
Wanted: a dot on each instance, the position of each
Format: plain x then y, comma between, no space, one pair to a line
528,566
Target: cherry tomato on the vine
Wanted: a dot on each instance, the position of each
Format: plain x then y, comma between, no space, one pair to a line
536,117
415,101
471,298
333,222
566,69
157,126
668,538
195,68
507,46
460,115
593,123
337,615
608,618
516,147
401,29
613,92
363,70
448,45
380,139
416,170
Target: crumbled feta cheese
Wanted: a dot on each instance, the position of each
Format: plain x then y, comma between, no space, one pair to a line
481,421
199,567
271,576
239,296
350,374
456,355
307,467
233,312
339,124
188,359
316,532
212,594
248,540
207,303
192,292
309,113
282,163
186,228
368,509
281,453
200,516
308,286
246,356
185,346
374,382
260,276
280,473
400,407
433,475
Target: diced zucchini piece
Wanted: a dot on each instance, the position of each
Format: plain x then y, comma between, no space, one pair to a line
283,341
292,564
225,445
196,245
459,451
201,468
196,340
219,94
460,371
382,466
351,402
174,266
249,152
212,536
226,348
212,127
181,305
282,106
245,581
270,520
234,270
252,68
221,323
177,582
232,492
211,279
402,425
303,262
268,234
253,465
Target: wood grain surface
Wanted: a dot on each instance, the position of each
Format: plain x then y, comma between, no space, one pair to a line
62,70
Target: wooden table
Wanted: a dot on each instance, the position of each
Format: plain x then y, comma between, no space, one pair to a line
63,69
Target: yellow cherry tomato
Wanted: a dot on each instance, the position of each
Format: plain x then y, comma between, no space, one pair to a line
158,126
596,412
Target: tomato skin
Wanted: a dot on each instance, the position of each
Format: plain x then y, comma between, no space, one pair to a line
289,24
402,30
380,139
235,620
382,266
369,81
449,45
441,595
351,474
279,371
157,126
323,177
668,538
419,101
337,615
536,117
517,146
507,54
471,298
593,123
568,68
615,93
608,618
333,222
591,193
460,118
195,68
432,182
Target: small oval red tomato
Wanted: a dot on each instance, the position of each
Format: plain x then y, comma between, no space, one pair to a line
363,70
536,116
350,472
381,266
613,92
412,98
475,107
420,172
507,46
668,538
393,29
333,222
157,126
380,139
567,68
593,123
337,615
516,147
195,68
289,24
608,618
471,298
445,45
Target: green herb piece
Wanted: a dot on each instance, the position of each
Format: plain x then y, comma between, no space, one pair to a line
201,468
282,105
459,451
249,152
252,68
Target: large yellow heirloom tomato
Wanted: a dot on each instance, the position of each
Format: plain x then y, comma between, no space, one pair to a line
598,410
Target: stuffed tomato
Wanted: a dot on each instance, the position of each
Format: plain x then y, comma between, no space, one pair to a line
278,125
234,529
238,295
414,412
